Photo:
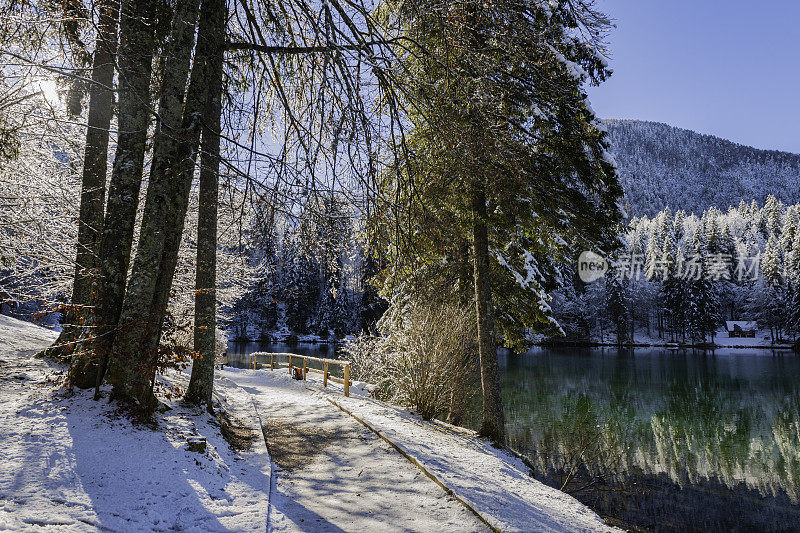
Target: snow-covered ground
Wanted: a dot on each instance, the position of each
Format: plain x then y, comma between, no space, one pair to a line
70,463
337,486
335,475
721,339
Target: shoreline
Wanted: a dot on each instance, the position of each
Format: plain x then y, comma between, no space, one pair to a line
569,343
671,345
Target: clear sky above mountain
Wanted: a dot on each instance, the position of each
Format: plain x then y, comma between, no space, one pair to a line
729,68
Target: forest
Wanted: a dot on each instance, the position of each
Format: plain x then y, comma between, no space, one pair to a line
664,166
170,167
679,276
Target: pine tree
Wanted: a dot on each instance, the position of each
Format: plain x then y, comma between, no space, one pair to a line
505,154
771,216
702,299
673,289
655,243
301,294
771,267
787,237
617,307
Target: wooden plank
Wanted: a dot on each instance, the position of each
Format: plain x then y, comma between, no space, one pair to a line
340,381
326,375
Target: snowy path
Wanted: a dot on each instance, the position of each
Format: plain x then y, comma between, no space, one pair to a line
68,463
491,481
334,474
338,495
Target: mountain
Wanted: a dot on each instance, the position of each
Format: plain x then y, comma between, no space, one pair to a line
664,166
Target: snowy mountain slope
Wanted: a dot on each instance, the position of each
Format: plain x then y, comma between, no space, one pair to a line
664,166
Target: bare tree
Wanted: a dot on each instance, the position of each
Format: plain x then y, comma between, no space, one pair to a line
201,382
95,161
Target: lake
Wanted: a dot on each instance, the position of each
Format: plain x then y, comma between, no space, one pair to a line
663,439
655,438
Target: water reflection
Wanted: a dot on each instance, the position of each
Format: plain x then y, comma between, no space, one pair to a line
663,433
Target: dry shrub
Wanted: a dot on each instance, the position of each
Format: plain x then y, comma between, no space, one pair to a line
181,339
426,352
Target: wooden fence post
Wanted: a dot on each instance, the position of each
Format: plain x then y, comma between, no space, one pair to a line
325,375
305,361
272,361
347,380
290,364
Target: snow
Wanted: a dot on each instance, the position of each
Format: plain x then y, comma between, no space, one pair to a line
493,482
746,325
721,340
72,463
337,475
532,274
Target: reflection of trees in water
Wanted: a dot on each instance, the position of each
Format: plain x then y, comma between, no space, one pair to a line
580,440
707,432
612,420
786,435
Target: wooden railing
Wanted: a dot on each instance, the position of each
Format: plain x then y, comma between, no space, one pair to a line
291,360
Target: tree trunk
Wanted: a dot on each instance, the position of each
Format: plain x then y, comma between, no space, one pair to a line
201,383
93,184
493,422
136,347
633,328
137,42
461,381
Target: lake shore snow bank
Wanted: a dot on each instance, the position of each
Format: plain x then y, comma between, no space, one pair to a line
493,482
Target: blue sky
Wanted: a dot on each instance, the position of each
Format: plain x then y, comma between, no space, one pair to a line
729,68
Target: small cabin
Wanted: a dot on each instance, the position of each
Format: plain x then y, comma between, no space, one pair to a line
741,328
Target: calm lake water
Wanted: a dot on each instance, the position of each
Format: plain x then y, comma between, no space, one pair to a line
656,439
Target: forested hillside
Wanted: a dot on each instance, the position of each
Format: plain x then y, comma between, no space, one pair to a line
678,277
664,166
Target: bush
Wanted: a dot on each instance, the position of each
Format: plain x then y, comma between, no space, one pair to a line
426,353
181,340
369,360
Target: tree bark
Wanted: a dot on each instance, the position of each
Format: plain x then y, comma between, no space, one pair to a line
461,381
201,383
93,182
493,422
136,347
137,44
